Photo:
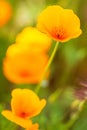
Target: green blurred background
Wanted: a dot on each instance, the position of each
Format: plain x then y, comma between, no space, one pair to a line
68,71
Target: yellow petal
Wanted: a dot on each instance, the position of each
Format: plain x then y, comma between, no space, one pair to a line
31,38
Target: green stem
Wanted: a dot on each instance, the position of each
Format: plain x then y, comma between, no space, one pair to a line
76,108
79,105
48,65
55,95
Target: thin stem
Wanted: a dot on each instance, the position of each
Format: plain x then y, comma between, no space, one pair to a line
79,105
55,95
48,65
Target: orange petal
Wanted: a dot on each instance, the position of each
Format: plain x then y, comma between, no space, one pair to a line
25,123
34,127
40,107
5,12
22,67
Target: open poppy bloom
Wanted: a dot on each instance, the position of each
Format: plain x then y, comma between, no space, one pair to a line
25,104
5,12
24,67
58,23
33,39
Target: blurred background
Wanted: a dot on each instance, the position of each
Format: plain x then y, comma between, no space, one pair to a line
68,78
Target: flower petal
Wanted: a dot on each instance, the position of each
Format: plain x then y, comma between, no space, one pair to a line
25,123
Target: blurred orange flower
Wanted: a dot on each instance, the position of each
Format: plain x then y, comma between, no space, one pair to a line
25,104
5,12
33,39
21,66
58,23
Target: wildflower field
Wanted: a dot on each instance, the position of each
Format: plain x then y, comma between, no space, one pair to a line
43,64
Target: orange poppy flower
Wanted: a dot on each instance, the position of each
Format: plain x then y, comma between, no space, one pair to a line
58,23
31,38
25,104
5,12
24,67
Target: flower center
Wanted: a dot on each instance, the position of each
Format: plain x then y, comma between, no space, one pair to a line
24,115
24,74
59,34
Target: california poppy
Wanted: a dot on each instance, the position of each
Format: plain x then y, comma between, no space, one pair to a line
24,104
58,23
24,67
5,12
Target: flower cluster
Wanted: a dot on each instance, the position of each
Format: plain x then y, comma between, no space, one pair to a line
27,59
